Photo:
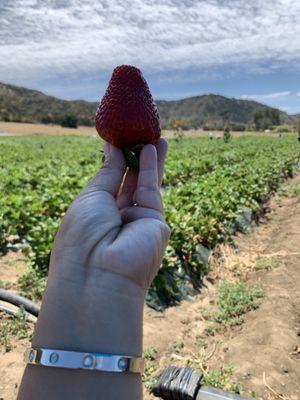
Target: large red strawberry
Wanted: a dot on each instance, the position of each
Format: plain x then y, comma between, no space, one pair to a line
127,116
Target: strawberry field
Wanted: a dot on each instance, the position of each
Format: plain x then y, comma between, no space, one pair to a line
211,190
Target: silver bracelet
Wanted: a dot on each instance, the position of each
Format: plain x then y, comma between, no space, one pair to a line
89,361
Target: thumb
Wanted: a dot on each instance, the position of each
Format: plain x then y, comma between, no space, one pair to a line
110,176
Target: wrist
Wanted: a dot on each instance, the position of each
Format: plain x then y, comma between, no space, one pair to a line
98,312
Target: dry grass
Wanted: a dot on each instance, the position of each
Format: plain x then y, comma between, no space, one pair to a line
22,129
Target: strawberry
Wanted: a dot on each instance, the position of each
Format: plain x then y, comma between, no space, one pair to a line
127,116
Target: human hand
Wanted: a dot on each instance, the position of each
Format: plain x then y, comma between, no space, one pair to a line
105,255
118,231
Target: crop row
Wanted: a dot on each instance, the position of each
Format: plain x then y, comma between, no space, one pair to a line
208,184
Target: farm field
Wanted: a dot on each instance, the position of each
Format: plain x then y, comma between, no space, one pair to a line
233,357
212,190
217,185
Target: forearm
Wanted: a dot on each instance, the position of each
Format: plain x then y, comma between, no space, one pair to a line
103,315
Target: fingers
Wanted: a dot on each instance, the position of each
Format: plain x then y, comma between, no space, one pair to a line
162,149
147,192
110,176
125,199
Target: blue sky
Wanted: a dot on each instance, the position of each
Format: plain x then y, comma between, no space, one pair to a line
68,48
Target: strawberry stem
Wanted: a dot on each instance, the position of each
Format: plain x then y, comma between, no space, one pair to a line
132,156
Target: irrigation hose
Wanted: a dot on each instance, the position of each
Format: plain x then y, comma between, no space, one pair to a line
20,301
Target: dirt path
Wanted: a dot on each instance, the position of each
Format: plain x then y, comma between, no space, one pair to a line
265,349
267,343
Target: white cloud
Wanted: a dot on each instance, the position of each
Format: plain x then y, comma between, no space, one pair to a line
269,96
286,100
48,37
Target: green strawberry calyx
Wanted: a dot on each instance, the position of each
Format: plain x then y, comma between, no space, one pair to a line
132,156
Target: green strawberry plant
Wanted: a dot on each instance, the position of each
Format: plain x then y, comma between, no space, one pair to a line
207,185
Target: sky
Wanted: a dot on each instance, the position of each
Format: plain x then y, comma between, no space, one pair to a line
68,48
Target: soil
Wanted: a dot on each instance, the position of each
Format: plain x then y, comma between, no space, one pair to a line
264,350
12,267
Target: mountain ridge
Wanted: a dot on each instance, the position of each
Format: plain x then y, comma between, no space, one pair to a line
211,111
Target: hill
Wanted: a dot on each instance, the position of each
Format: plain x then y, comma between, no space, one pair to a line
210,111
213,111
24,105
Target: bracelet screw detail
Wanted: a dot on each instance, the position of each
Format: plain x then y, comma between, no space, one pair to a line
53,358
88,361
122,364
31,355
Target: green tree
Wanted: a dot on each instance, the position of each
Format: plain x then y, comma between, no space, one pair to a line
179,125
4,116
275,117
258,117
266,118
69,121
226,134
85,121
47,119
